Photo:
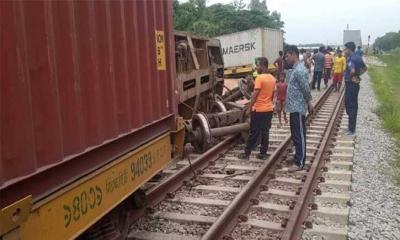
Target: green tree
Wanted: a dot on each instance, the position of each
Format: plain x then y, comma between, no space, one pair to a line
218,19
204,28
238,4
389,41
184,15
257,5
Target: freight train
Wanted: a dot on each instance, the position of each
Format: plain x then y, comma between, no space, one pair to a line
93,100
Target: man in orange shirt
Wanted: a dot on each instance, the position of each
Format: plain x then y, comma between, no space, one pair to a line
261,107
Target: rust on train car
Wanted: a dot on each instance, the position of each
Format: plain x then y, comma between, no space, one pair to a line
200,69
82,83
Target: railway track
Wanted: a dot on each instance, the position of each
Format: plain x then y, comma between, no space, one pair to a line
277,135
329,216
217,195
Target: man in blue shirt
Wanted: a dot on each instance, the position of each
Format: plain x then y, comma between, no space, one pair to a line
354,69
297,99
359,52
318,61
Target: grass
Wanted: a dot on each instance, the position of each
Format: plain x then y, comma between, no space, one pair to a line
386,84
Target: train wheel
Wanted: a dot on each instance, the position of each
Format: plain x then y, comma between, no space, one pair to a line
245,86
120,224
217,106
115,225
201,132
107,228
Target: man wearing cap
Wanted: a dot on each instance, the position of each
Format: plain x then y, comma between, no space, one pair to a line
354,69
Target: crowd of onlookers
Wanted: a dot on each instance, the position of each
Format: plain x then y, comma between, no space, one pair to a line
323,63
290,91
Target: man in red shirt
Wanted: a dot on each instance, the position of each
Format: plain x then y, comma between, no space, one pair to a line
261,107
281,88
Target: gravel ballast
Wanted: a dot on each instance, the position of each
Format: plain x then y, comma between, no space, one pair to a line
375,212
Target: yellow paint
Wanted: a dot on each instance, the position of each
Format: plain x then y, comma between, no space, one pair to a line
15,214
246,69
271,68
160,50
178,137
12,235
73,211
237,70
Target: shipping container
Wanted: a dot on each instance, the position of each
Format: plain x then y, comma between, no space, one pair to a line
240,49
82,83
352,36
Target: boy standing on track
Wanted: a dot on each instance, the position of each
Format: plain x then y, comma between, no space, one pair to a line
279,65
328,67
281,88
318,61
261,107
355,68
338,68
308,62
297,99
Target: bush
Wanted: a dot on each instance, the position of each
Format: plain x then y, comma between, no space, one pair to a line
388,42
386,83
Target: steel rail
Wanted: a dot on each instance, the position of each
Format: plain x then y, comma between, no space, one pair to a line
225,224
294,228
159,192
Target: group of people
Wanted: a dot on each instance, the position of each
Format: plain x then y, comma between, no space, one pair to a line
328,65
290,91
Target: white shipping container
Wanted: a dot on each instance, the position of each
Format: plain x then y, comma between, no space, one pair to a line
242,48
352,36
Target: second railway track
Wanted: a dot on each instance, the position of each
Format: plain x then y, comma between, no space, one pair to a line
220,196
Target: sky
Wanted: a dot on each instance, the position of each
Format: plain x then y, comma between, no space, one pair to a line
322,21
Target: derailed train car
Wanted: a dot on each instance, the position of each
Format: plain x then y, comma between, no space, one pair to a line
88,110
200,73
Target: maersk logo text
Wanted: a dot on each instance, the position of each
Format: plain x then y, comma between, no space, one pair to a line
239,48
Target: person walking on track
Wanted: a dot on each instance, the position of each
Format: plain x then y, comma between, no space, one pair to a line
327,66
280,102
354,69
261,108
318,61
280,66
297,100
308,62
338,68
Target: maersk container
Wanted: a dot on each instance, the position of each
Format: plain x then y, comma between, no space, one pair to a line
242,48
